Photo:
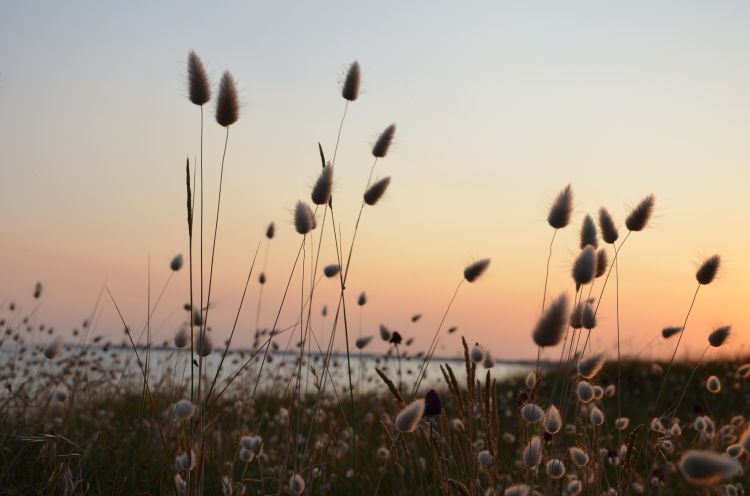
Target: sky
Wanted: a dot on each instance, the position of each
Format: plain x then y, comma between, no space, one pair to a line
498,105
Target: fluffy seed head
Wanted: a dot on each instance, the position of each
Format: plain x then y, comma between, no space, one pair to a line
297,484
304,219
551,326
713,384
251,443
607,226
641,214
227,102
553,423
588,317
590,367
578,456
668,332
708,468
719,336
350,90
375,192
331,270
622,423
584,268
385,333
184,409
530,380
408,419
176,263
555,468
362,300
734,450
262,278
532,454
37,290
596,416
532,413
199,89
321,192
61,395
588,233
53,348
708,269
576,317
362,342
561,209
484,458
601,262
585,392
203,344
477,354
476,269
270,230
181,338
380,149
575,487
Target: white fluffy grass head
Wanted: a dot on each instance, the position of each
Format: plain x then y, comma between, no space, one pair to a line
622,423
385,333
251,443
53,348
578,456
719,336
555,468
553,422
476,354
375,192
708,468
203,344
713,384
304,219
362,342
518,490
350,88
181,338
408,419
640,215
588,233
184,409
331,270
607,226
668,332
596,416
384,141
561,209
297,484
532,453
473,271
551,326
585,392
176,263
584,267
532,413
484,458
708,270
588,317
61,394
590,367
321,192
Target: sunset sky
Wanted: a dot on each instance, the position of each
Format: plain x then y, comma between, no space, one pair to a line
498,106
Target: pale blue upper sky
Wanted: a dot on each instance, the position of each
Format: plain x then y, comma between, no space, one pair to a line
498,105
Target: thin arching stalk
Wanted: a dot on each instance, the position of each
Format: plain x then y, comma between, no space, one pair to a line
546,274
687,384
433,345
674,354
204,319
